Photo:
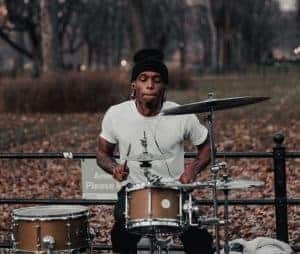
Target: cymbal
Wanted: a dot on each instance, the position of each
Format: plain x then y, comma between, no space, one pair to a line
237,184
212,104
144,157
221,184
194,185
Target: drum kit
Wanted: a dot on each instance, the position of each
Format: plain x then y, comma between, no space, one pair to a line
156,208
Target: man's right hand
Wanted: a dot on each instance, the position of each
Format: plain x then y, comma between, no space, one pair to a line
120,172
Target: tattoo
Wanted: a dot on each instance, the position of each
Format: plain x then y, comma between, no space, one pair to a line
105,158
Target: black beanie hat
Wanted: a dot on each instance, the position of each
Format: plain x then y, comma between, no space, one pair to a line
149,60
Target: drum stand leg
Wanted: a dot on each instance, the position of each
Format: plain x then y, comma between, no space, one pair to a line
226,214
152,244
89,250
215,206
214,171
159,245
226,237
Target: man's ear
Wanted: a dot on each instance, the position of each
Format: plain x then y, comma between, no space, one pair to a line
133,85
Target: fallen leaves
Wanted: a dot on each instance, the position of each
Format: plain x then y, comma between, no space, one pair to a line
77,133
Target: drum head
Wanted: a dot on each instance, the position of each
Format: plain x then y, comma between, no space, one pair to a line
140,186
51,211
151,228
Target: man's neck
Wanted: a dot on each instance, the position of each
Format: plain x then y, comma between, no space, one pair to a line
148,109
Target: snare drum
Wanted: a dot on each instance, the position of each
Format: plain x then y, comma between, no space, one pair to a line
151,210
55,228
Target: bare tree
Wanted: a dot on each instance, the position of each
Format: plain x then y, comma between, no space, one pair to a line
234,32
136,32
23,17
52,60
213,36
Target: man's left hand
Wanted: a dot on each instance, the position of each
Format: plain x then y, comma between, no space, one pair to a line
189,174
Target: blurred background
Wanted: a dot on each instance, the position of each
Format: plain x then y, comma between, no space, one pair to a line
94,41
202,35
64,62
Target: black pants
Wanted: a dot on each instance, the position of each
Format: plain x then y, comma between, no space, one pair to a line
194,239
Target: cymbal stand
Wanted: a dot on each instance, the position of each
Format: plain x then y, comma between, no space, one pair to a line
214,171
145,165
226,214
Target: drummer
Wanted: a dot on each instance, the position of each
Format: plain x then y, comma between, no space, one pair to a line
126,124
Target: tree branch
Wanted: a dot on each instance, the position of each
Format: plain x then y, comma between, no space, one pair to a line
21,50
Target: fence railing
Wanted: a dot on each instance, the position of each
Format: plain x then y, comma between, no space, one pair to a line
279,156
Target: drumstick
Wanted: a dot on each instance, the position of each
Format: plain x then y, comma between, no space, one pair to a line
128,152
125,165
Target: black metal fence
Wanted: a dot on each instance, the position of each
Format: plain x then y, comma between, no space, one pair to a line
279,156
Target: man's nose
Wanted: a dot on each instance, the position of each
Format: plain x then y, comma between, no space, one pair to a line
150,83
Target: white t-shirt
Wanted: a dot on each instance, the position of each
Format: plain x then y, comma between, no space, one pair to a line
124,125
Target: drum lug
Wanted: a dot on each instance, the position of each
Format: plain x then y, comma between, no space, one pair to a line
149,203
68,234
48,242
12,236
91,234
14,242
38,234
14,225
15,245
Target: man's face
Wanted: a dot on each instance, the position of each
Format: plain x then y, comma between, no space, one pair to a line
149,87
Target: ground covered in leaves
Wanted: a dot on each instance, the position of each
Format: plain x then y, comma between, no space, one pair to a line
77,133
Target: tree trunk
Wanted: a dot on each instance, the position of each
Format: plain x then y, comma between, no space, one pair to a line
213,36
136,35
220,49
20,58
182,51
227,38
182,40
52,60
85,57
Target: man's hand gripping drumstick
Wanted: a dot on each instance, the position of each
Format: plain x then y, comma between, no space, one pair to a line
121,172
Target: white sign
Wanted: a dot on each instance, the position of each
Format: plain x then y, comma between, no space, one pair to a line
96,183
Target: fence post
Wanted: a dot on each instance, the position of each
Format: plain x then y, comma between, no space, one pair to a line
280,188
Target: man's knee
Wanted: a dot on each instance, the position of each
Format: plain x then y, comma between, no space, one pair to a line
195,240
123,241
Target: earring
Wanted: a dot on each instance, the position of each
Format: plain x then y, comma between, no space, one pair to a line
132,95
133,91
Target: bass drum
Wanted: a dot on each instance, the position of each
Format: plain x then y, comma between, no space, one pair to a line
55,228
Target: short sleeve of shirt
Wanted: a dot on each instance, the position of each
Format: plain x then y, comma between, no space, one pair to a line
107,130
194,130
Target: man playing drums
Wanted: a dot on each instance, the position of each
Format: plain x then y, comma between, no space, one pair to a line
126,124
